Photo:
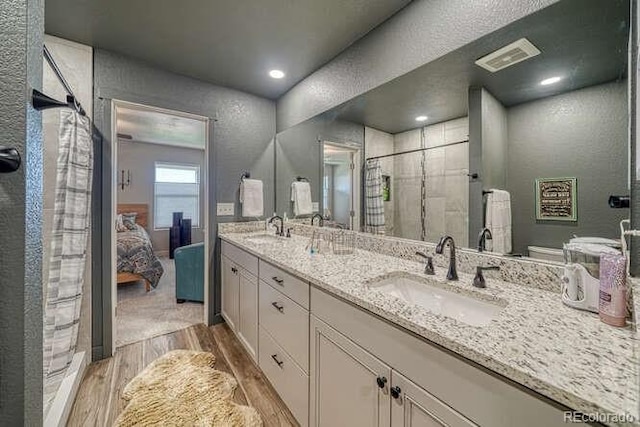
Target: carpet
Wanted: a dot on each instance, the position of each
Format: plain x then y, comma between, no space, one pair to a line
181,388
141,315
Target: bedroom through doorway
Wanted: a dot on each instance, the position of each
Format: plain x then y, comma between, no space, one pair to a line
160,238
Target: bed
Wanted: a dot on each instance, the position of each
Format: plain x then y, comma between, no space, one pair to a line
136,260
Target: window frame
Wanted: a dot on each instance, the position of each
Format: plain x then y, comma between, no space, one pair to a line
177,165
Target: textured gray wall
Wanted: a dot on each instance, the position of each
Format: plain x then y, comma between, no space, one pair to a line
494,142
418,34
487,153
140,158
579,134
241,139
476,205
633,132
299,153
21,35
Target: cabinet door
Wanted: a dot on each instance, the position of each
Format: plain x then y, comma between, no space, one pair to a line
349,386
248,314
230,292
412,406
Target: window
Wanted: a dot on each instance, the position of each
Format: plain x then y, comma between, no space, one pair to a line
177,189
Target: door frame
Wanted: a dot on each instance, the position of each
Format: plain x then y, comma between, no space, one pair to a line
356,180
204,179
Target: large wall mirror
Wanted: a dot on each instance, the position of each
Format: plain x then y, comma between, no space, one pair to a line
533,117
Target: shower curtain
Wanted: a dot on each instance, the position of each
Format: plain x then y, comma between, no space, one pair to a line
374,209
71,224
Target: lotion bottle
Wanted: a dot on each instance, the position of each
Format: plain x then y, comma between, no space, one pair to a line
613,289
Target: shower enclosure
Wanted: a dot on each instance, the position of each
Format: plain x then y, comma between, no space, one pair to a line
429,183
67,72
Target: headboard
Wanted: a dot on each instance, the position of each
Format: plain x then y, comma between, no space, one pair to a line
142,209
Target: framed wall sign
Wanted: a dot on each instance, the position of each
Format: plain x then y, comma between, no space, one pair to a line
556,199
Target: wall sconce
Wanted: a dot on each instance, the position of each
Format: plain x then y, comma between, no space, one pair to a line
122,182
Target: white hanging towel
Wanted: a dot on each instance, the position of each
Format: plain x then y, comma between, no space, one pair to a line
251,197
301,198
498,220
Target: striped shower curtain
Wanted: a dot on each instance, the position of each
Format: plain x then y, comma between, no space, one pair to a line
69,240
374,209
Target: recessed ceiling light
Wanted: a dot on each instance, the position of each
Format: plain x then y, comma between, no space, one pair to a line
276,74
550,81
421,118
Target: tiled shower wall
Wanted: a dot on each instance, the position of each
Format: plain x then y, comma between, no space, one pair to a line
407,185
446,184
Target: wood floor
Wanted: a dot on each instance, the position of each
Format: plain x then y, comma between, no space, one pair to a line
99,398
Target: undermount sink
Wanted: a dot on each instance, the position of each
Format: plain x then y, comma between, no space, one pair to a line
263,239
418,291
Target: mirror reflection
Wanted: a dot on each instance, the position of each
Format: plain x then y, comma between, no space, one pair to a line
522,132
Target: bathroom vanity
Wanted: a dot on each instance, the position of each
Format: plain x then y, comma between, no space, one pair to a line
347,340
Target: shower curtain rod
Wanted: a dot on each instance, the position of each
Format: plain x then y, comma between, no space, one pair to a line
40,101
416,150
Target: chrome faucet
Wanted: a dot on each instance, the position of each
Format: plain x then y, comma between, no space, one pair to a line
428,268
320,219
482,239
452,274
279,228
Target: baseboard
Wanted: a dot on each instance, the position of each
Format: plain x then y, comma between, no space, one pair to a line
97,353
60,409
217,318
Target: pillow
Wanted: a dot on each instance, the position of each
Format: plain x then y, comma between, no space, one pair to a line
120,224
129,220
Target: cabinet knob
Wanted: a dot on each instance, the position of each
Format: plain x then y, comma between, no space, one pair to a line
278,307
395,392
234,270
278,280
381,381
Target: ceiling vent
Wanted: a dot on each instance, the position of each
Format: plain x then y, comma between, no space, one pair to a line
509,55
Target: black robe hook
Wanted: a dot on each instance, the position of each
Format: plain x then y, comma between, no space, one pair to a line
9,159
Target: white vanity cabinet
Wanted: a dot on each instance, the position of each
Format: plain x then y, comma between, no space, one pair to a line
230,292
349,386
413,406
336,364
443,389
240,295
284,337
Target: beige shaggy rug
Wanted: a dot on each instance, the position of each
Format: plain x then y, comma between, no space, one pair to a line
181,388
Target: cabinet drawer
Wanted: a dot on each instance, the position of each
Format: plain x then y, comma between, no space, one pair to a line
289,285
287,322
291,383
243,259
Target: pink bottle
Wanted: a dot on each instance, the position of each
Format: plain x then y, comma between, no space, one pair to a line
613,289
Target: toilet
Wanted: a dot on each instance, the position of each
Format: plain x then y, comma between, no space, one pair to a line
546,254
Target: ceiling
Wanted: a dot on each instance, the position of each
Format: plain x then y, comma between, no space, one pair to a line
226,42
142,124
583,41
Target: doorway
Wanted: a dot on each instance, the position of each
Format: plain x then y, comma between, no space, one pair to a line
160,204
341,184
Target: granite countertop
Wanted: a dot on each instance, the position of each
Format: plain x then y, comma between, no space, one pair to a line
565,354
